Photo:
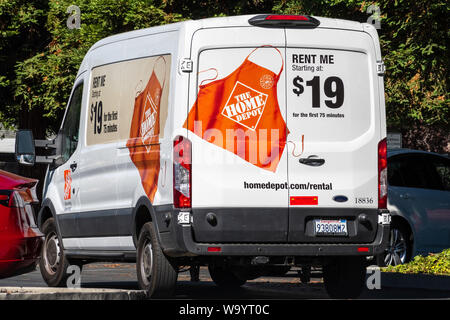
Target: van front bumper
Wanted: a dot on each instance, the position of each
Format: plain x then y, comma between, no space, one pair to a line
179,240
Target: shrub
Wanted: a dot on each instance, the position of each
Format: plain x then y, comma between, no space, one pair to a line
438,264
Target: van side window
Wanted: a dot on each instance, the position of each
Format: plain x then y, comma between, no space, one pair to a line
70,129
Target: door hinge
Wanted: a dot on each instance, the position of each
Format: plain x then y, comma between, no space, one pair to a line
381,68
185,65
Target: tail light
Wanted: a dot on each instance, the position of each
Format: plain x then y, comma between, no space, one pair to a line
182,172
16,214
5,196
284,21
12,199
382,174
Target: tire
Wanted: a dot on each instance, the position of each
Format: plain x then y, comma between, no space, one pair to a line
399,250
345,277
156,274
53,263
305,274
224,277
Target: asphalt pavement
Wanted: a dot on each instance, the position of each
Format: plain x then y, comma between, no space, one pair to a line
121,277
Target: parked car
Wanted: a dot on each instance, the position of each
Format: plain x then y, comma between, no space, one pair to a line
419,202
20,238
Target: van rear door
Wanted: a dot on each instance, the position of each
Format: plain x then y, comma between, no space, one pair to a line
234,198
333,115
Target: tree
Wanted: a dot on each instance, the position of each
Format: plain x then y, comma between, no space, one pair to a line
23,33
37,83
40,55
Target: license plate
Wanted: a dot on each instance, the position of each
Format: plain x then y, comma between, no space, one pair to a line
330,227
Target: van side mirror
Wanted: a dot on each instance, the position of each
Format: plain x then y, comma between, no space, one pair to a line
25,150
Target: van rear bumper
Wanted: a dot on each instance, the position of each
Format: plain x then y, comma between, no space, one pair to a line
284,249
179,240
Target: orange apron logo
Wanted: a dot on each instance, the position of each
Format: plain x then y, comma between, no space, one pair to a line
144,133
67,184
244,100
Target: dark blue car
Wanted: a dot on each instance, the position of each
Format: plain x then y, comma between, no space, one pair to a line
419,201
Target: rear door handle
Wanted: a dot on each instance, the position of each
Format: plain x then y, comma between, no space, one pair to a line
313,161
73,166
405,196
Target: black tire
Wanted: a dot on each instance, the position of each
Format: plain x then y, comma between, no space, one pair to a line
53,263
224,277
399,250
345,277
156,274
305,274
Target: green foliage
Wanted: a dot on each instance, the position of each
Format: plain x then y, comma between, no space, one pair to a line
415,43
197,9
43,78
438,264
22,33
39,55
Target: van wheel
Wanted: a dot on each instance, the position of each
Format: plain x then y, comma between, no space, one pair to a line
53,263
156,274
225,278
345,277
305,274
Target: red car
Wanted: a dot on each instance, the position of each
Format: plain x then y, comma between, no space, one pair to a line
20,238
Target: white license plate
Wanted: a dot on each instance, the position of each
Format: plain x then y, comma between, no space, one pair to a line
330,227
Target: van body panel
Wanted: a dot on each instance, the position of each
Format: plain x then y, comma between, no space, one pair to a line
219,176
336,113
110,183
333,115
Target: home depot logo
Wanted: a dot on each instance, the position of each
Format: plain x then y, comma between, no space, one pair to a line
148,121
245,105
67,184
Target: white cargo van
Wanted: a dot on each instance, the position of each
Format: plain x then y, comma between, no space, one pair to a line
249,144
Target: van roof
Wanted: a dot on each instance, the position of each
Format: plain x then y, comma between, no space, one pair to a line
235,21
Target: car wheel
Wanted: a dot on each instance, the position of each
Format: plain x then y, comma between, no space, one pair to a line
345,277
53,263
399,247
156,274
225,278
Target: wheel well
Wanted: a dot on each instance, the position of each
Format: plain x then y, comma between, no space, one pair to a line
400,221
46,214
142,217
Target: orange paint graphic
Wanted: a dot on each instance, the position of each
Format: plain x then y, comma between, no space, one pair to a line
144,133
67,184
244,101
